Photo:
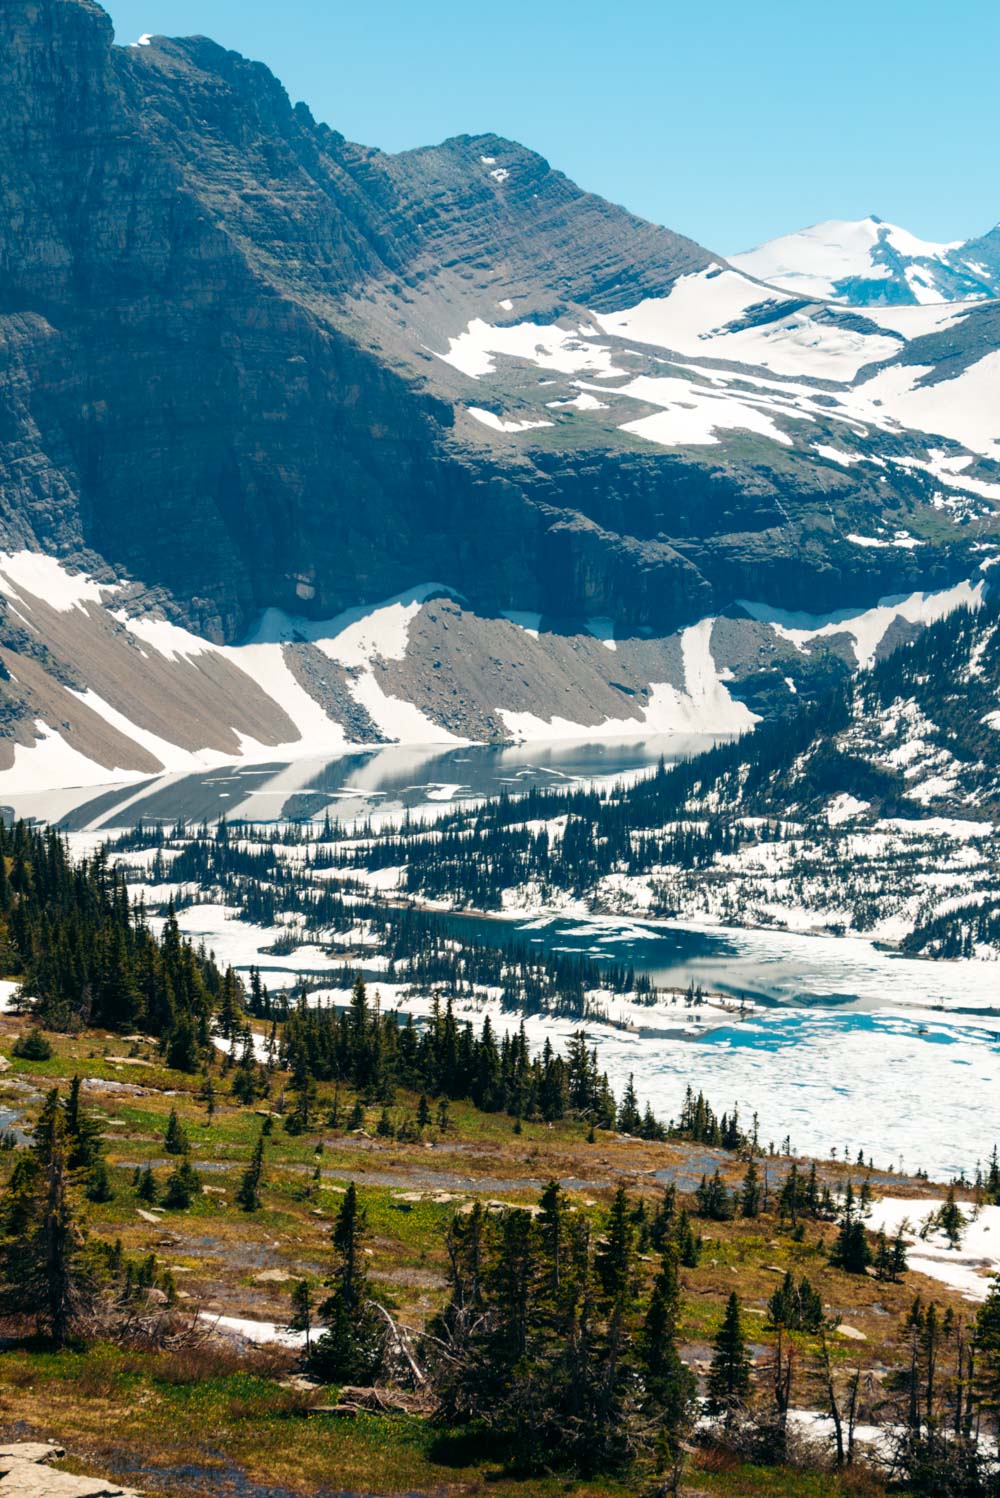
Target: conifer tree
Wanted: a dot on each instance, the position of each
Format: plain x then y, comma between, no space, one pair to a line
670,1384
798,1308
301,1319
231,1015
629,1116
98,1187
614,1258
248,1191
44,1272
350,1348
750,1195
730,1374
83,1133
713,1198
987,1354
183,1053
145,1185
951,1219
183,1185
850,1250
175,1140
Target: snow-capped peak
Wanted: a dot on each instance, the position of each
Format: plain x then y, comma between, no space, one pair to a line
866,262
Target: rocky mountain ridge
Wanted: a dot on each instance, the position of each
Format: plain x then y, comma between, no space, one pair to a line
250,366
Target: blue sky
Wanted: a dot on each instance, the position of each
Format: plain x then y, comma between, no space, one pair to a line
728,121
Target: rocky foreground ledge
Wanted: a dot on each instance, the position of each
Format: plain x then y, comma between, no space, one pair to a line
25,1470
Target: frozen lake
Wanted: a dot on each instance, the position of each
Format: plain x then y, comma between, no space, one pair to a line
353,783
847,1048
854,1048
851,1048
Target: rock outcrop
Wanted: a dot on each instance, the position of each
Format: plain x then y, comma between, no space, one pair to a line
25,1471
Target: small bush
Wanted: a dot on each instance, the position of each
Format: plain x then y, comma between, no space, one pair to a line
32,1046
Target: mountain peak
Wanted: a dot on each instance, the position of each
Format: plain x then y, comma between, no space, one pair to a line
870,262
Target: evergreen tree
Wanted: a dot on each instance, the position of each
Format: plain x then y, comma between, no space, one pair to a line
183,1051
670,1384
629,1116
183,1185
350,1350
951,1219
145,1185
44,1271
32,1046
175,1140
248,1191
798,1308
750,1195
98,1187
730,1374
83,1133
614,1259
850,1250
301,1319
987,1354
713,1198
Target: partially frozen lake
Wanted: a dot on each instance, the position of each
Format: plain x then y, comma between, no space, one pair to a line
354,783
851,1048
855,1048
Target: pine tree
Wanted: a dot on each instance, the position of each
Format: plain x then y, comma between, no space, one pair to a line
850,1250
987,1354
750,1195
713,1198
248,1191
629,1116
183,1185
951,1219
98,1187
145,1185
44,1273
730,1374
182,1045
301,1319
32,1046
175,1140
231,1016
615,1256
670,1384
350,1350
245,1086
898,1262
797,1308
83,1133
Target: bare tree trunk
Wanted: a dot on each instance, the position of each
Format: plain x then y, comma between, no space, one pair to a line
400,1342
852,1415
831,1392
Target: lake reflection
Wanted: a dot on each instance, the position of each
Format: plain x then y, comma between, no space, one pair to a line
351,784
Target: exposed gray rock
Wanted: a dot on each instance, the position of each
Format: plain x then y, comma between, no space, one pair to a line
25,1471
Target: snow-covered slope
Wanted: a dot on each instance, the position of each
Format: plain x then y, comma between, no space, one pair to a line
108,693
721,358
866,262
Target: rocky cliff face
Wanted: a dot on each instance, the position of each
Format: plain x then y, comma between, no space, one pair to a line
246,364
186,392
